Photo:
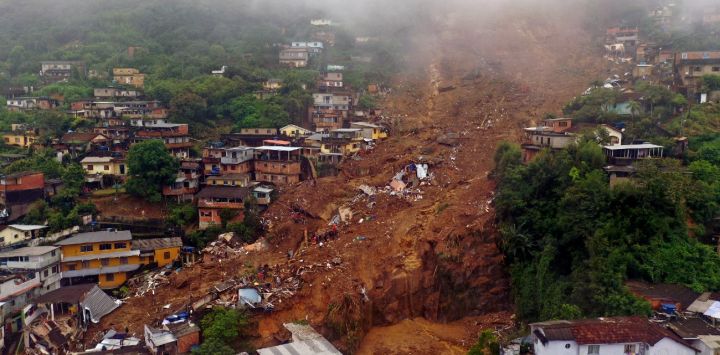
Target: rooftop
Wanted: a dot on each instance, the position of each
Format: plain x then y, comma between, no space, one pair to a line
27,227
631,146
278,149
223,192
157,243
28,251
96,237
615,330
671,293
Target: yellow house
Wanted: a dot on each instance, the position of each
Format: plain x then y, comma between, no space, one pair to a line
18,233
369,130
129,76
292,130
273,84
104,166
20,139
105,257
344,141
162,251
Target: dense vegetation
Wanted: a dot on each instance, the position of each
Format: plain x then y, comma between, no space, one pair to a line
571,240
178,44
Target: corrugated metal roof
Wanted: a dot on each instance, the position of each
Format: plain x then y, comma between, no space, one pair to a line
26,227
95,237
28,251
156,243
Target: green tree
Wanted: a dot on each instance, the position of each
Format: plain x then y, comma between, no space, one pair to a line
223,324
214,346
367,102
188,107
487,344
73,178
634,108
182,215
150,167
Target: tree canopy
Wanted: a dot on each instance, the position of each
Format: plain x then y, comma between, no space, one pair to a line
150,167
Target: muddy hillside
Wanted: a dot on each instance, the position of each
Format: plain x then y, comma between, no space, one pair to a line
425,249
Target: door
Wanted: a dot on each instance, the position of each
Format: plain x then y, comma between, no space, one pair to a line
122,169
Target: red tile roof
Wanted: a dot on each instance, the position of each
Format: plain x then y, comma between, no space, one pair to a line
615,330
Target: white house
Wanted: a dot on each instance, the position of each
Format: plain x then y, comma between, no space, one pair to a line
607,336
18,233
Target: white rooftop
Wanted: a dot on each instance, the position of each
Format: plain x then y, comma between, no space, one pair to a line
632,146
278,149
27,227
96,160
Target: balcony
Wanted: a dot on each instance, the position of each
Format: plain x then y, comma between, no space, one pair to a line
277,167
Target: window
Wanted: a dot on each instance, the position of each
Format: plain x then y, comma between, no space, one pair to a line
166,255
123,260
684,56
104,262
106,167
120,245
706,55
109,277
205,213
46,273
630,348
716,69
89,167
697,69
55,269
593,349
106,246
86,248
86,264
53,253
71,267
17,236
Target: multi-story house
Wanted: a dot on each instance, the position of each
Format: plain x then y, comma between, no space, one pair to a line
25,274
241,180
690,67
313,48
559,133
606,336
158,251
14,235
335,101
104,257
369,130
212,200
176,136
326,119
129,76
295,131
345,141
237,160
97,167
278,165
294,57
76,143
114,93
18,192
187,182
329,81
55,71
21,136
627,35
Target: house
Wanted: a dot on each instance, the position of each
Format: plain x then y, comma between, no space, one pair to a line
104,257
113,93
25,274
160,341
21,138
55,71
176,136
621,157
187,182
237,160
239,180
278,165
369,130
643,71
321,22
305,340
335,101
294,57
627,35
330,80
17,234
220,72
313,48
614,134
670,296
44,261
64,302
212,200
18,192
551,134
272,84
160,251
292,130
187,335
697,332
79,142
344,141
98,165
326,119
129,76
259,131
690,67
263,195
19,104
606,336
